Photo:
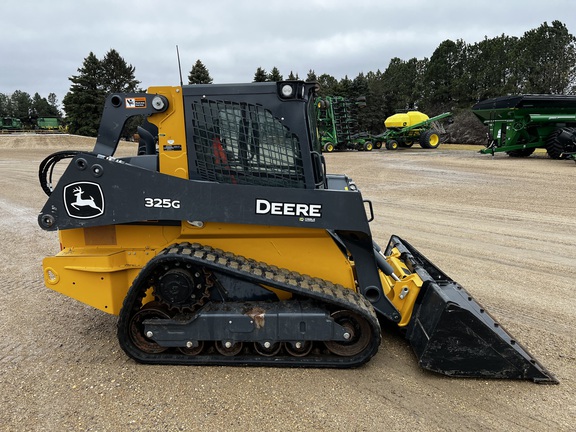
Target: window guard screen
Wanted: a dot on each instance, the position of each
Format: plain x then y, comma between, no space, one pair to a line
243,143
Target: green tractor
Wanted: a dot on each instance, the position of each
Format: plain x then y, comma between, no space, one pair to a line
10,123
518,125
405,129
337,121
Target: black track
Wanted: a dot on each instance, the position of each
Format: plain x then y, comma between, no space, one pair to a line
333,297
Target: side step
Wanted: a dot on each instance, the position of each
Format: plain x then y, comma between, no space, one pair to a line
453,334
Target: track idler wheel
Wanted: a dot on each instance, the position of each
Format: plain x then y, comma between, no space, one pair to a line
359,334
141,341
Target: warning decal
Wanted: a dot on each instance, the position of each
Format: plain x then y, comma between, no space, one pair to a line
136,102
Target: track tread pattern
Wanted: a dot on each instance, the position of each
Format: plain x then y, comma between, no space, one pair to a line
326,292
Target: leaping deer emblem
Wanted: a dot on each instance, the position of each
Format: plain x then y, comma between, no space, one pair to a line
81,202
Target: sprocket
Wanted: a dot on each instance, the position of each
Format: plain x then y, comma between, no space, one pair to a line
184,288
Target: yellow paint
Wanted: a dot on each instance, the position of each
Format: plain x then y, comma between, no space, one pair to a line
100,275
402,120
171,133
393,289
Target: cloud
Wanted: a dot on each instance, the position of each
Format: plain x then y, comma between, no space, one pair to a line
47,42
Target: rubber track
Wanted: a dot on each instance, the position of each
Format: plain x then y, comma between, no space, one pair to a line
320,290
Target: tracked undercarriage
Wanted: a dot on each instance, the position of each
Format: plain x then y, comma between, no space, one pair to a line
323,325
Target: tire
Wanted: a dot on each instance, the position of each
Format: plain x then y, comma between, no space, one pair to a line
521,152
560,142
378,145
429,139
392,145
328,147
368,146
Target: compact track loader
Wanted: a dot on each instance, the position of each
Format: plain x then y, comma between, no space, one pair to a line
224,242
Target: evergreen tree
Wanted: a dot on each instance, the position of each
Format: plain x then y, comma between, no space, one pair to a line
85,100
359,94
5,105
328,85
21,104
42,108
117,75
548,56
444,77
402,84
375,113
53,102
359,86
274,75
311,76
24,107
344,87
199,74
260,75
490,66
293,77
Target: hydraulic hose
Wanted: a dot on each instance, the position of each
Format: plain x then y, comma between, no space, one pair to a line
46,168
382,263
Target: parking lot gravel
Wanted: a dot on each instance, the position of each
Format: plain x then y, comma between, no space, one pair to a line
504,228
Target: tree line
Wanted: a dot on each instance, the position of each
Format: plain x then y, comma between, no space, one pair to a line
457,75
20,105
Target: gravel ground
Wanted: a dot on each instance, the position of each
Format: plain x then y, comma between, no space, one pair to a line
504,228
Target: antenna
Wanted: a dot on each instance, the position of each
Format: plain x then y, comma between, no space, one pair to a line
179,67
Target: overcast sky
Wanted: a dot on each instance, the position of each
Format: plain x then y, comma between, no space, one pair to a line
44,42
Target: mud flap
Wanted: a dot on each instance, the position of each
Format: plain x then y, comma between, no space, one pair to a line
453,335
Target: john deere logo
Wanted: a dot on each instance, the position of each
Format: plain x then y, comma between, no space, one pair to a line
83,200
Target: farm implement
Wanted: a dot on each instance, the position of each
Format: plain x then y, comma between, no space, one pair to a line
405,129
518,125
337,120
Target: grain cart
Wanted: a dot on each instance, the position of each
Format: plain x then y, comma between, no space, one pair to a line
404,129
225,242
518,125
337,120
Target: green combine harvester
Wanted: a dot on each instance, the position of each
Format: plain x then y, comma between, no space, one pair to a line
518,125
337,120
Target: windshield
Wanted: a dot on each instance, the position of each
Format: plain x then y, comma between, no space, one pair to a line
244,143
